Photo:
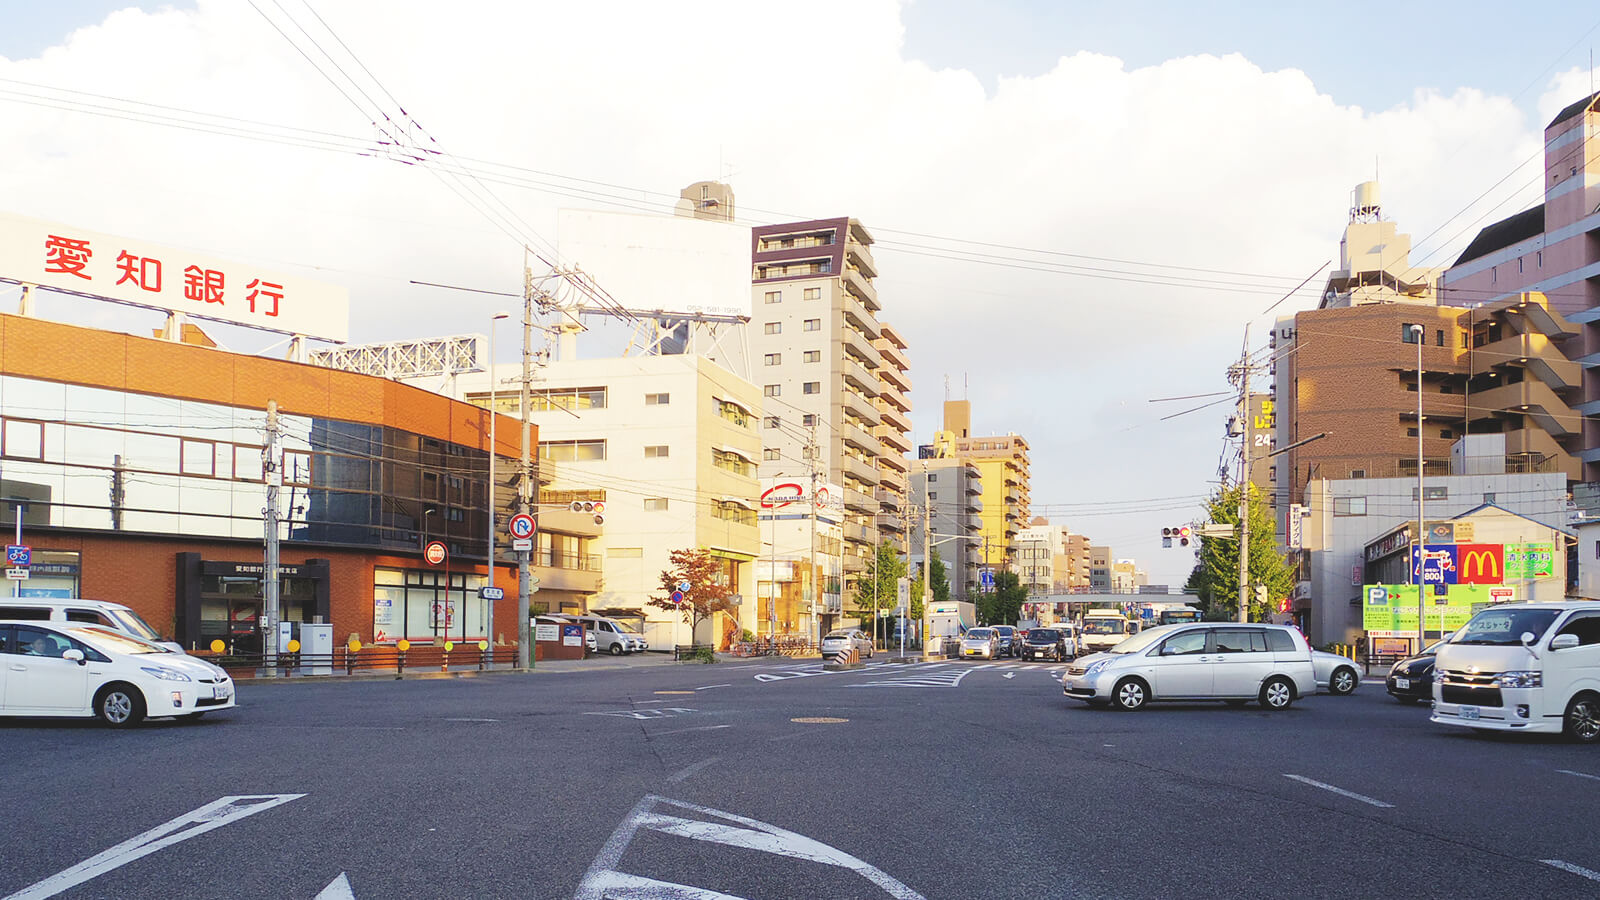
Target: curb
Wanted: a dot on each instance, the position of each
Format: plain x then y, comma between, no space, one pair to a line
379,676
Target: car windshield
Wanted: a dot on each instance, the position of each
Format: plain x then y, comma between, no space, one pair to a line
979,634
1043,636
1504,626
115,642
1103,626
135,626
1142,641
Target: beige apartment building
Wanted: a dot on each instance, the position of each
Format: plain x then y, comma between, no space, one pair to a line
833,378
1004,462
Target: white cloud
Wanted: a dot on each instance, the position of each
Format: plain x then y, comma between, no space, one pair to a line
1204,161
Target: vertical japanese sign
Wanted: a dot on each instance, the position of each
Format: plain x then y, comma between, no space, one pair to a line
122,270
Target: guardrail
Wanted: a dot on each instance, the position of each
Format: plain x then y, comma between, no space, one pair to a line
781,647
372,658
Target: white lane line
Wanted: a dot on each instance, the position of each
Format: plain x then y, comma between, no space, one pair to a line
688,770
191,824
1590,874
682,730
1340,791
1579,774
471,720
710,686
338,889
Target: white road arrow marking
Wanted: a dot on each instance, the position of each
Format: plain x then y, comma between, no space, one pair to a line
193,824
337,889
1009,675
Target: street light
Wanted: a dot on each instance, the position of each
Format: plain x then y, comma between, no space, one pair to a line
494,415
1419,333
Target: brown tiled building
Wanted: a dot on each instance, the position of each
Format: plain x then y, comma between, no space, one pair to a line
1505,368
138,466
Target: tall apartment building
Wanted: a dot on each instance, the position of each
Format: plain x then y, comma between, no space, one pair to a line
670,444
1004,461
951,489
1553,249
1100,569
1034,555
831,377
1072,565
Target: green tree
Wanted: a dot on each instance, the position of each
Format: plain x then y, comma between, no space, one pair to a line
1216,573
1003,605
941,584
707,594
877,588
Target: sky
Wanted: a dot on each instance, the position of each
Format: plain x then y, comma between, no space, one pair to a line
1079,207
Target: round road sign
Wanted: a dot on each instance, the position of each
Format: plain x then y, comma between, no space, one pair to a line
436,553
677,597
522,526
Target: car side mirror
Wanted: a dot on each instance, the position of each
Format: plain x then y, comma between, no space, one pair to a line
1528,637
1564,642
76,656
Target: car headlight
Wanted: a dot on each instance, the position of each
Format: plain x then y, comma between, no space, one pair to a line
1095,667
164,673
1520,679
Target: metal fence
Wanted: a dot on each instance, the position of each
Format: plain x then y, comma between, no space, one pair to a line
371,659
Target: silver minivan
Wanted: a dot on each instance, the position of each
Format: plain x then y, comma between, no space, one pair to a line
1203,661
610,636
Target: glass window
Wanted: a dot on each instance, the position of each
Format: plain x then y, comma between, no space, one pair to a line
1280,641
771,422
772,390
812,387
771,454
808,420
572,451
772,328
1408,333
774,296
1350,506
1239,640
656,451
1185,644
657,399
655,504
772,359
813,293
812,325
812,356
1586,626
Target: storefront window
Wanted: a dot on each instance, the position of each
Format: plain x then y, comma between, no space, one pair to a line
419,606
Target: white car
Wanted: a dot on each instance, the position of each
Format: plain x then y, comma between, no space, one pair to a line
835,643
68,669
1523,667
1335,674
983,643
636,642
1236,663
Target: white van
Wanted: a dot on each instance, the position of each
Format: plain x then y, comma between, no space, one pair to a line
1523,667
114,616
611,636
1104,629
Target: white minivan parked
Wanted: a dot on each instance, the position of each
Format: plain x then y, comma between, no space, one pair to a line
1523,667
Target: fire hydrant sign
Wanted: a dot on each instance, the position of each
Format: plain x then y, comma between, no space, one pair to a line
76,260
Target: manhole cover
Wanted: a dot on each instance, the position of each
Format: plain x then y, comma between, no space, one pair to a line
674,692
818,720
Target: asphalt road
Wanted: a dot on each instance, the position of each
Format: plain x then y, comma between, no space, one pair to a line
955,780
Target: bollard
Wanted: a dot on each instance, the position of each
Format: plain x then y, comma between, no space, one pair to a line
402,646
444,661
483,654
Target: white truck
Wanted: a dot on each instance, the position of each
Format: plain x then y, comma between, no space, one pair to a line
1104,629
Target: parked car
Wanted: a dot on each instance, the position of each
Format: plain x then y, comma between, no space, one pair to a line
114,616
590,645
609,635
1523,667
1044,643
1411,679
1009,643
1236,663
1336,674
835,643
980,642
68,669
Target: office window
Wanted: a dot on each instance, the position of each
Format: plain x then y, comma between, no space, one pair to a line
771,422
770,455
812,356
1358,473
812,325
655,451
774,296
772,390
809,420
811,387
1349,506
1540,259
1465,337
655,504
1432,493
812,293
933,476
1519,265
772,359
932,496
1407,335
1445,433
1488,497
1494,275
1411,432
572,451
657,399
773,328
1439,340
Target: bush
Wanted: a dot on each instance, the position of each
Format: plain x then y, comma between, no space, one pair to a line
705,655
747,636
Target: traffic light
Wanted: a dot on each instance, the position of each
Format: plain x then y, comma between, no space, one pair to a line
1261,593
1183,535
1179,533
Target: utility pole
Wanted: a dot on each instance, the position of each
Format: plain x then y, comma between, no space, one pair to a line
1244,478
525,474
927,577
811,458
1420,334
269,571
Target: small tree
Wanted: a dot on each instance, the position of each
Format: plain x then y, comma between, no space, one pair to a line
707,594
877,591
1216,573
941,583
1003,606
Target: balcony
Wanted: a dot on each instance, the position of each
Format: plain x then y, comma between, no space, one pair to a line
861,438
858,254
889,500
1535,351
860,502
857,283
567,571
860,346
562,520
857,404
860,534
1533,399
895,378
892,415
894,440
892,354
861,469
890,523
892,464
858,376
891,478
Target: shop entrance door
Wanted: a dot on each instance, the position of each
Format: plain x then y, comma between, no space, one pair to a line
244,626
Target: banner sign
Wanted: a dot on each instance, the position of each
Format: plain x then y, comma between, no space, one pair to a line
1460,564
1392,608
1530,561
75,260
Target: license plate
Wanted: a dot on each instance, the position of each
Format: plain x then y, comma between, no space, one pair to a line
221,692
1469,712
1402,683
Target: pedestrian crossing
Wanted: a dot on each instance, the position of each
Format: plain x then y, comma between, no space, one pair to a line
949,675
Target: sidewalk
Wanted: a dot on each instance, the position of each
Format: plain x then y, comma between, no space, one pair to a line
548,667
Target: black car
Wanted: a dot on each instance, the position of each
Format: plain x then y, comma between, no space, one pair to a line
1411,679
1009,645
1044,643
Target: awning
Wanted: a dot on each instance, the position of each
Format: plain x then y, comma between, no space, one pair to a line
740,501
728,553
742,454
746,409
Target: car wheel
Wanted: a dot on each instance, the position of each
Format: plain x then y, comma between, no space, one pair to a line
1131,694
1582,721
616,649
1277,693
1342,681
119,705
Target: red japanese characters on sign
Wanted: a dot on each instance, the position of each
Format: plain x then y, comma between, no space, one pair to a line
71,259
